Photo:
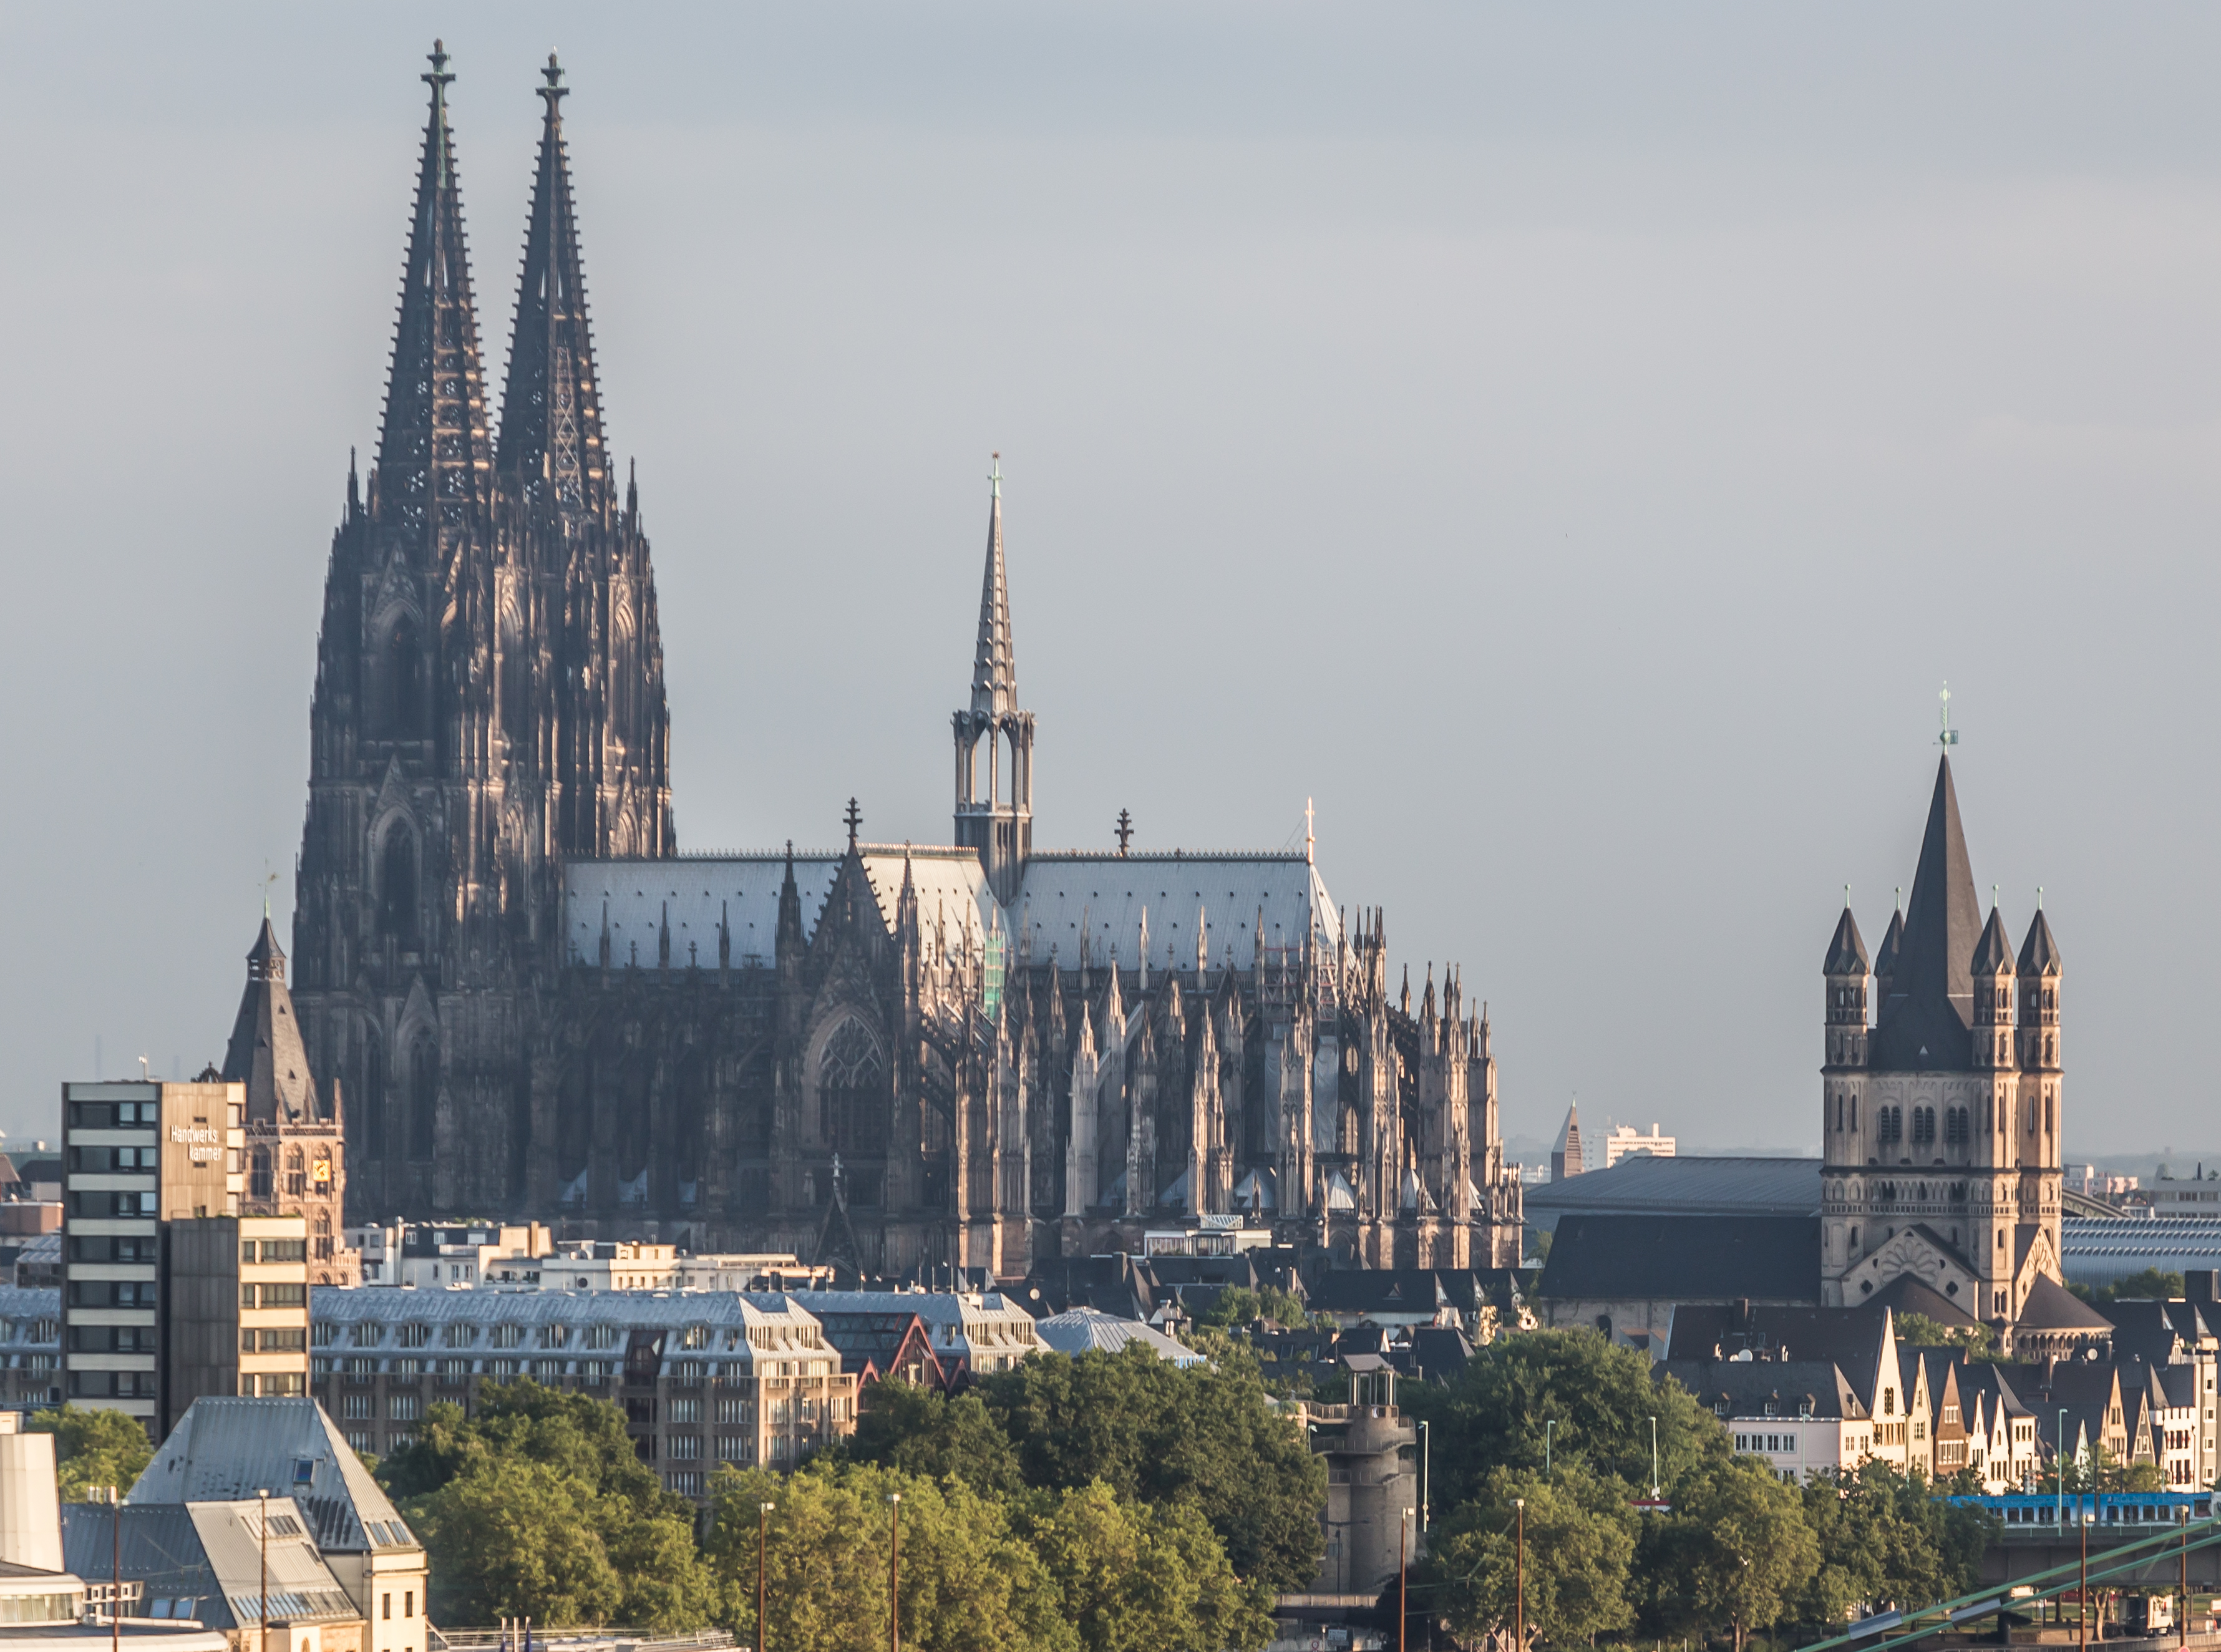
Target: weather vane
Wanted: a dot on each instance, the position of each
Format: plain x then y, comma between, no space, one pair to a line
1950,737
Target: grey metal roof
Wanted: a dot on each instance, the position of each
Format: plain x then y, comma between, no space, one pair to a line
1748,1386
205,1561
2099,1250
1107,892
1683,1259
223,1449
1084,1330
1682,1186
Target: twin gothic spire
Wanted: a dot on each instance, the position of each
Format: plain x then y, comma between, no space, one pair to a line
436,462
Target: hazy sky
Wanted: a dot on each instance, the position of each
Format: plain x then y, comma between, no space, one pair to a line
1573,444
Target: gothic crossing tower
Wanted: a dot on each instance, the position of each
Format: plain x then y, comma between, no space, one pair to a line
995,799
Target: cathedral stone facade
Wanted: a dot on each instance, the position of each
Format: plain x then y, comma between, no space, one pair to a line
1941,1113
890,1056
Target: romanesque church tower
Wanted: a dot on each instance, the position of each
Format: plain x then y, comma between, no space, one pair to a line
1940,1117
489,699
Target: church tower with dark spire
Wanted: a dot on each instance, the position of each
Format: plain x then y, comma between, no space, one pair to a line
995,797
1940,1121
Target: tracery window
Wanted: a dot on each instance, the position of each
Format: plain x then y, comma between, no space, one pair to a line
852,1107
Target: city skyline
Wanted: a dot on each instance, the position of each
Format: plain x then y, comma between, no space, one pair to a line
1570,671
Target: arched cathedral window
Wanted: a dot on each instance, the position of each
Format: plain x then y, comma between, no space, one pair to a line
396,885
260,1184
852,1092
401,697
423,1095
296,1174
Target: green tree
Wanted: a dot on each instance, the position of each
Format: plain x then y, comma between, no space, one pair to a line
1580,1538
1918,1330
1886,1540
1135,1579
1157,1434
921,1432
1601,1398
94,1448
1735,1553
568,1460
513,1538
968,1583
2151,1283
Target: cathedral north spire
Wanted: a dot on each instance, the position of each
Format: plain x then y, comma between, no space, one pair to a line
994,665
434,459
551,443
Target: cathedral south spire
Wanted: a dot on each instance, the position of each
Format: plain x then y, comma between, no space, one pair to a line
434,460
995,798
552,446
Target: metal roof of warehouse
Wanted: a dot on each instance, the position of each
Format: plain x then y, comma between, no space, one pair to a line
1647,1186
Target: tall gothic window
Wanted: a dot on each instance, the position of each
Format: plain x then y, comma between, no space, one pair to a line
852,1101
367,1114
296,1174
396,885
400,685
259,1186
423,1095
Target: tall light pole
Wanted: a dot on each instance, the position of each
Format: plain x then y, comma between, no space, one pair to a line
894,1575
1403,1596
262,1602
1426,1475
1549,1427
1654,1460
116,1575
2059,1470
1519,1578
763,1528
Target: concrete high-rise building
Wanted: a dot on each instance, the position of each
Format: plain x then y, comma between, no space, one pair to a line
169,1293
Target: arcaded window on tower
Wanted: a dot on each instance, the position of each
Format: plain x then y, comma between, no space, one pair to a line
852,1092
259,1185
296,1175
401,698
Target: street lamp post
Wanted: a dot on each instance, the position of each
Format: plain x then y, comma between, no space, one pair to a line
262,1601
763,1528
894,1575
1519,1578
1654,1460
116,1573
1549,1427
1426,1475
1403,1595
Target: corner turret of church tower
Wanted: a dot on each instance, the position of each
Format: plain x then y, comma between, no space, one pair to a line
995,800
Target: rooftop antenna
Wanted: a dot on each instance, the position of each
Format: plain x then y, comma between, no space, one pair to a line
1311,843
1950,737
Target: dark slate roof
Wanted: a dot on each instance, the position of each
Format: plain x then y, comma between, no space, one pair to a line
1993,952
2144,1331
1922,1024
1683,1186
2052,1306
1441,1352
1684,1258
1846,954
1379,1290
1906,1295
2039,954
265,1052
1747,1385
1848,1337
1892,942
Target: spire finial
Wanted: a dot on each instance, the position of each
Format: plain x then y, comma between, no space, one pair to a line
1950,737
854,816
1311,841
1124,832
2039,897
439,79
1847,897
1994,897
555,91
995,475
1900,900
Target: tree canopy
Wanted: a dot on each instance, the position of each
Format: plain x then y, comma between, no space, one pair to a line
94,1448
538,1506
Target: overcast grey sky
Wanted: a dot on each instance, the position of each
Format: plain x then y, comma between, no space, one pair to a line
1571,443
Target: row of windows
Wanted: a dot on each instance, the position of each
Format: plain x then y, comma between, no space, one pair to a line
361,1369
372,1333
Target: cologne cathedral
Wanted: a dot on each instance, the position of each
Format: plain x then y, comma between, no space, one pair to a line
982,1053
